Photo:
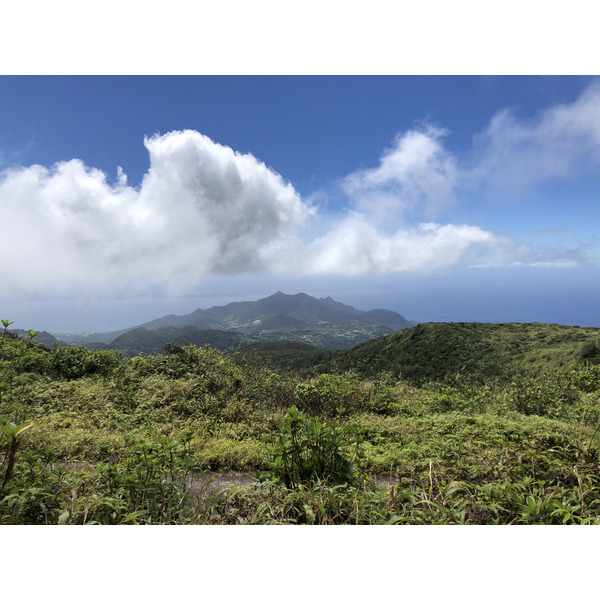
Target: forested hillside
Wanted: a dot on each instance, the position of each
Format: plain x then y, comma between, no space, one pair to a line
143,341
443,423
330,336
436,351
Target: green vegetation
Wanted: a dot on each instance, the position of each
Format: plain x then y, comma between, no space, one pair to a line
143,341
437,351
324,336
443,423
307,450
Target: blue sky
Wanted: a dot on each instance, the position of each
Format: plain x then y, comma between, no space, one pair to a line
452,198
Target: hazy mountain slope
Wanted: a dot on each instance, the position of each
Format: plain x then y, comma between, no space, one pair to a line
145,341
43,337
389,318
323,322
279,311
90,340
331,336
336,336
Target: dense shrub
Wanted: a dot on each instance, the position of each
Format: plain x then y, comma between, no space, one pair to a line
307,450
73,363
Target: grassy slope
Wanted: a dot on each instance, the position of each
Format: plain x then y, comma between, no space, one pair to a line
459,451
434,351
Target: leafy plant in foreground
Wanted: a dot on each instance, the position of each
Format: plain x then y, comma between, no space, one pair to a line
308,450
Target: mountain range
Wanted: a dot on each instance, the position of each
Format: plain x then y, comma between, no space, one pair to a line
321,322
280,311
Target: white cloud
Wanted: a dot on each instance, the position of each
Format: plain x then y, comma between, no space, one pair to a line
418,176
355,246
558,142
415,172
565,264
547,257
201,208
227,203
418,173
121,176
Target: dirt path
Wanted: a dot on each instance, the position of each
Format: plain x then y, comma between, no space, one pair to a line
207,484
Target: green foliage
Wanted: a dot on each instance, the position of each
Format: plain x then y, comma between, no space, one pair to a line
12,419
319,503
140,340
439,351
590,352
73,363
307,450
150,485
461,439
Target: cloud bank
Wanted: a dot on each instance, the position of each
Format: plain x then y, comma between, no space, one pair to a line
356,247
203,208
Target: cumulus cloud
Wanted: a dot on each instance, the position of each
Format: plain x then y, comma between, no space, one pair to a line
419,176
230,204
417,171
201,208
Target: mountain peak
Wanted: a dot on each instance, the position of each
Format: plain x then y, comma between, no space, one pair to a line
280,311
281,315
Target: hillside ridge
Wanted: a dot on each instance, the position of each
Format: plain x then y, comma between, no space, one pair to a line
436,351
